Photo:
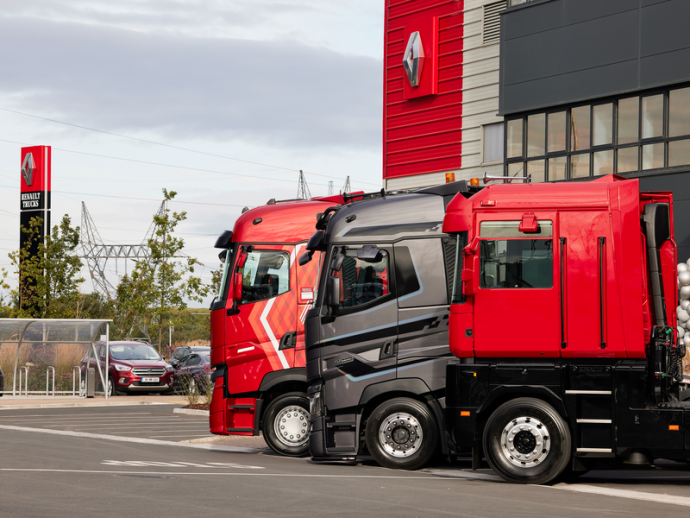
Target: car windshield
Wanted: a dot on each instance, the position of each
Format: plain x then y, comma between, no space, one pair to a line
133,352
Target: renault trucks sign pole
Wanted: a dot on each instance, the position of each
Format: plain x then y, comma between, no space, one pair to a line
35,193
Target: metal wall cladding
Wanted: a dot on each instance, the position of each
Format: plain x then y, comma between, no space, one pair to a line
422,134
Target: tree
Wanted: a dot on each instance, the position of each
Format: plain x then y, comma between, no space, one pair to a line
48,281
162,283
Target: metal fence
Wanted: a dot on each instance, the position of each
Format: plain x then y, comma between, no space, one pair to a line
51,357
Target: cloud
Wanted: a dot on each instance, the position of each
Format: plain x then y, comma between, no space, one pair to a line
274,93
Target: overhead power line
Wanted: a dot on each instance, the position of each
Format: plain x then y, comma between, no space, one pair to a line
153,142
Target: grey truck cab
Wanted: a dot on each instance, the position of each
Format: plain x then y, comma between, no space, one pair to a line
377,336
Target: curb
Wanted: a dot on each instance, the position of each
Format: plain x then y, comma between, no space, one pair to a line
189,411
80,405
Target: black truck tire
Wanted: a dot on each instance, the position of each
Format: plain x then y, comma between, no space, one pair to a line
285,425
527,442
401,433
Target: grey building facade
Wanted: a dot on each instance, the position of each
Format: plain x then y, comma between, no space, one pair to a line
594,87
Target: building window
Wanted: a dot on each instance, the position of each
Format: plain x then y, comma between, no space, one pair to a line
493,143
626,135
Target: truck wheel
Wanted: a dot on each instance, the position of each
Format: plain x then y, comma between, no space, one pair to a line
285,425
401,434
526,441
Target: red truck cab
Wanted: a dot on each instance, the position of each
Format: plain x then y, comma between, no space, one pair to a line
562,317
257,325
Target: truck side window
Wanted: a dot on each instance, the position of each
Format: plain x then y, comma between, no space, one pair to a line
362,282
518,260
265,274
516,263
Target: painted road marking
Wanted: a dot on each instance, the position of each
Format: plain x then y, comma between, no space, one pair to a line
578,488
204,435
82,415
624,493
221,474
138,440
178,464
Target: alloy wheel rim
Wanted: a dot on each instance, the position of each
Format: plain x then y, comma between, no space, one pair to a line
401,435
525,442
291,426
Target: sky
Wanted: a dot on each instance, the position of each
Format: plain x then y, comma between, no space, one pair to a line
222,101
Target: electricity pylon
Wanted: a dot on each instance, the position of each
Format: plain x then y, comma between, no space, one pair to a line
303,189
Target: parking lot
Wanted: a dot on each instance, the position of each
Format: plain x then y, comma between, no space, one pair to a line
117,461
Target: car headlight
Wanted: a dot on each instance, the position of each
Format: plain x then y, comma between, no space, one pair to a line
169,367
122,368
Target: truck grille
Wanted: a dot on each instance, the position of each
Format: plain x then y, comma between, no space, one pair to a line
146,371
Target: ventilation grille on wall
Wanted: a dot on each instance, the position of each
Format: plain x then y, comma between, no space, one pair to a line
492,21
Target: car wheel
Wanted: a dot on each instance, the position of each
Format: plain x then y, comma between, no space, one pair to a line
526,441
111,389
285,425
401,434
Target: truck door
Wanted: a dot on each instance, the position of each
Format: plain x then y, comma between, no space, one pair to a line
585,238
516,301
422,294
264,284
359,338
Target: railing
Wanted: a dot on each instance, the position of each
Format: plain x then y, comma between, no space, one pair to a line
48,379
76,385
26,381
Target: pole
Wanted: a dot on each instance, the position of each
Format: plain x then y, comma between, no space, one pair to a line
107,359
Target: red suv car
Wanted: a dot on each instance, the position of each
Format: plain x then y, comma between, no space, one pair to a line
134,367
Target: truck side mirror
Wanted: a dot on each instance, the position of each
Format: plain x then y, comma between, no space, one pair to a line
237,288
333,300
316,240
305,258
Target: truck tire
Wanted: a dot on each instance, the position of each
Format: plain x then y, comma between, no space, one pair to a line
401,434
285,425
527,442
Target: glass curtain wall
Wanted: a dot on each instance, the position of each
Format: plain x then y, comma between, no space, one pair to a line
632,133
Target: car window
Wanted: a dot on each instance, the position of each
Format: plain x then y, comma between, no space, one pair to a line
193,360
133,352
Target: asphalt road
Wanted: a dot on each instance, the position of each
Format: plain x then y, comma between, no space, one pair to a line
50,469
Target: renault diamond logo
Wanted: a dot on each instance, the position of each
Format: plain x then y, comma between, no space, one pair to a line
413,59
28,168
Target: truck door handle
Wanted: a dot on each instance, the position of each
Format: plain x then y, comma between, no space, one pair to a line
288,341
388,350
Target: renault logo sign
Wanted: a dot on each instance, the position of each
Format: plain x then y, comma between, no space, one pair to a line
413,59
28,168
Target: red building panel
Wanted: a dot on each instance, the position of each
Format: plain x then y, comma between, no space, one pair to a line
421,124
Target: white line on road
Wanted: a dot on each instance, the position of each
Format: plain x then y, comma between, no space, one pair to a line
204,435
113,472
21,416
624,493
139,440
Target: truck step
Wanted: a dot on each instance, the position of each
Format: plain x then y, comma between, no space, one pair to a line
334,424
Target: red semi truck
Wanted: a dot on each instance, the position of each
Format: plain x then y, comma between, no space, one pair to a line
257,325
563,316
